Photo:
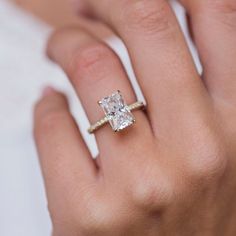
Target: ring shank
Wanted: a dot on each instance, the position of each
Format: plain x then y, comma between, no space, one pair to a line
105,120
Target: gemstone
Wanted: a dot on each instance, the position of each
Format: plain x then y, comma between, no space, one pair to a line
117,111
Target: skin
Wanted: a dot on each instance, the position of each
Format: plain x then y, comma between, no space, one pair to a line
173,172
59,13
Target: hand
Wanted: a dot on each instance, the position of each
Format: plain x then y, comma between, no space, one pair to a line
174,171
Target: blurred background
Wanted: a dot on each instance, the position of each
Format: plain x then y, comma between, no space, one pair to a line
25,26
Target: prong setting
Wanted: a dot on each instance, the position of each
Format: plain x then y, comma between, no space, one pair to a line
117,111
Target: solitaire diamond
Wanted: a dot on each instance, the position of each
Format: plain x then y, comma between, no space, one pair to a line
117,111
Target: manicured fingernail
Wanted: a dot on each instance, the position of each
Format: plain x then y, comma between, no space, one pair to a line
48,91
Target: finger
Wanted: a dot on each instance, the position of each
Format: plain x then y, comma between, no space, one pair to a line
159,54
65,160
96,71
214,30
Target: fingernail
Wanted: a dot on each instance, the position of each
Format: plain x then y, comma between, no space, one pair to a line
48,91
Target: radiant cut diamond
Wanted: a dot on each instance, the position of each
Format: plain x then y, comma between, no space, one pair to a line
117,111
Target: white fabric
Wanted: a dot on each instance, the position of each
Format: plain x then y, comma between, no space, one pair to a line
24,71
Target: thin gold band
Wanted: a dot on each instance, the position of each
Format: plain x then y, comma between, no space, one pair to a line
105,120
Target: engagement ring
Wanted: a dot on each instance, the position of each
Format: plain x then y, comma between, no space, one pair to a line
117,113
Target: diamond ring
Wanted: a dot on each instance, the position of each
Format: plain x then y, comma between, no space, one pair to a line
117,113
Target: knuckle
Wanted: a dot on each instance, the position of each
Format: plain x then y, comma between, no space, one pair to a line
91,61
151,192
97,219
145,196
228,8
222,5
148,16
223,11
211,4
211,162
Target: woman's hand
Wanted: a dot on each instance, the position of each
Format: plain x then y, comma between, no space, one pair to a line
174,171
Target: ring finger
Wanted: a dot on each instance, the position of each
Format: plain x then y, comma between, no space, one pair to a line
160,57
96,71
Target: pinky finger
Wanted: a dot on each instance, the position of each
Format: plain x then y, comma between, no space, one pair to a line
65,160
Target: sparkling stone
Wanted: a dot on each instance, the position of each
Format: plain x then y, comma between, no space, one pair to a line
117,111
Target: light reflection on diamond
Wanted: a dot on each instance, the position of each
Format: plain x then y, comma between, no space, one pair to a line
117,111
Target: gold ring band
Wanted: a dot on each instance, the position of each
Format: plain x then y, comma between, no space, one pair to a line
105,119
